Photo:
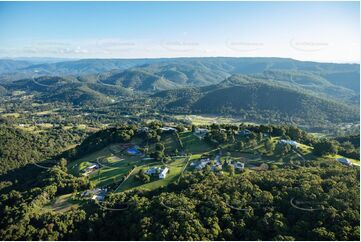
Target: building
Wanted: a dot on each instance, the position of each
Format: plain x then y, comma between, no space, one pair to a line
216,166
199,131
143,130
344,161
152,171
290,142
91,167
244,132
168,129
238,165
202,163
163,173
96,194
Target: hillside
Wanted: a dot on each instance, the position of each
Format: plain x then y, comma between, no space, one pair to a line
337,81
245,96
68,89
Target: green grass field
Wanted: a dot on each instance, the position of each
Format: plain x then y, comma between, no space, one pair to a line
175,170
170,142
61,204
193,144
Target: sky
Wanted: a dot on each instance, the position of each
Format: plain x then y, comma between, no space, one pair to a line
318,31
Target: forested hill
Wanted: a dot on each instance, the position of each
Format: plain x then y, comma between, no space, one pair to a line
244,96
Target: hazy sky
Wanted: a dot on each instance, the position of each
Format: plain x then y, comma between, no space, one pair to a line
321,31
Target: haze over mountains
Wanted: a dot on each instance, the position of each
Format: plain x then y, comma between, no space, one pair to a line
196,85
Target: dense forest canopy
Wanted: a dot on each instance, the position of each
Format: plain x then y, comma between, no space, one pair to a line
316,201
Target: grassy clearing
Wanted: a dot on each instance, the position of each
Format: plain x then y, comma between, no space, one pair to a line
193,144
175,170
47,112
13,115
208,119
61,204
170,142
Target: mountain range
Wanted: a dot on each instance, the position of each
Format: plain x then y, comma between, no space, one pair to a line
278,86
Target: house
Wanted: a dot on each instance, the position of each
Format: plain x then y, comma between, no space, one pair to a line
238,165
163,173
201,132
290,142
91,167
96,194
344,161
168,129
143,130
203,163
216,166
153,171
99,194
244,132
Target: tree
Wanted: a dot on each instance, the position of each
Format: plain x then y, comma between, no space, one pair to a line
283,149
269,146
231,170
159,147
241,145
63,164
324,147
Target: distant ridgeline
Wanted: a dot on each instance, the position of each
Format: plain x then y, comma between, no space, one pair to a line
274,88
246,96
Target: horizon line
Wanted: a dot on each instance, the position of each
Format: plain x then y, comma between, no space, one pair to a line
178,57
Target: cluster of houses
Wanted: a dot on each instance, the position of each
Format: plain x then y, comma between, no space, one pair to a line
202,163
164,129
158,171
237,165
201,133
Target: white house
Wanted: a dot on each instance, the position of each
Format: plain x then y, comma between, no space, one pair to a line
165,129
199,131
97,194
91,167
163,173
239,165
344,161
290,142
203,163
143,130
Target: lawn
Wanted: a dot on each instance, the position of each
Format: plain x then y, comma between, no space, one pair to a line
114,167
193,144
170,142
61,204
175,169
207,119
